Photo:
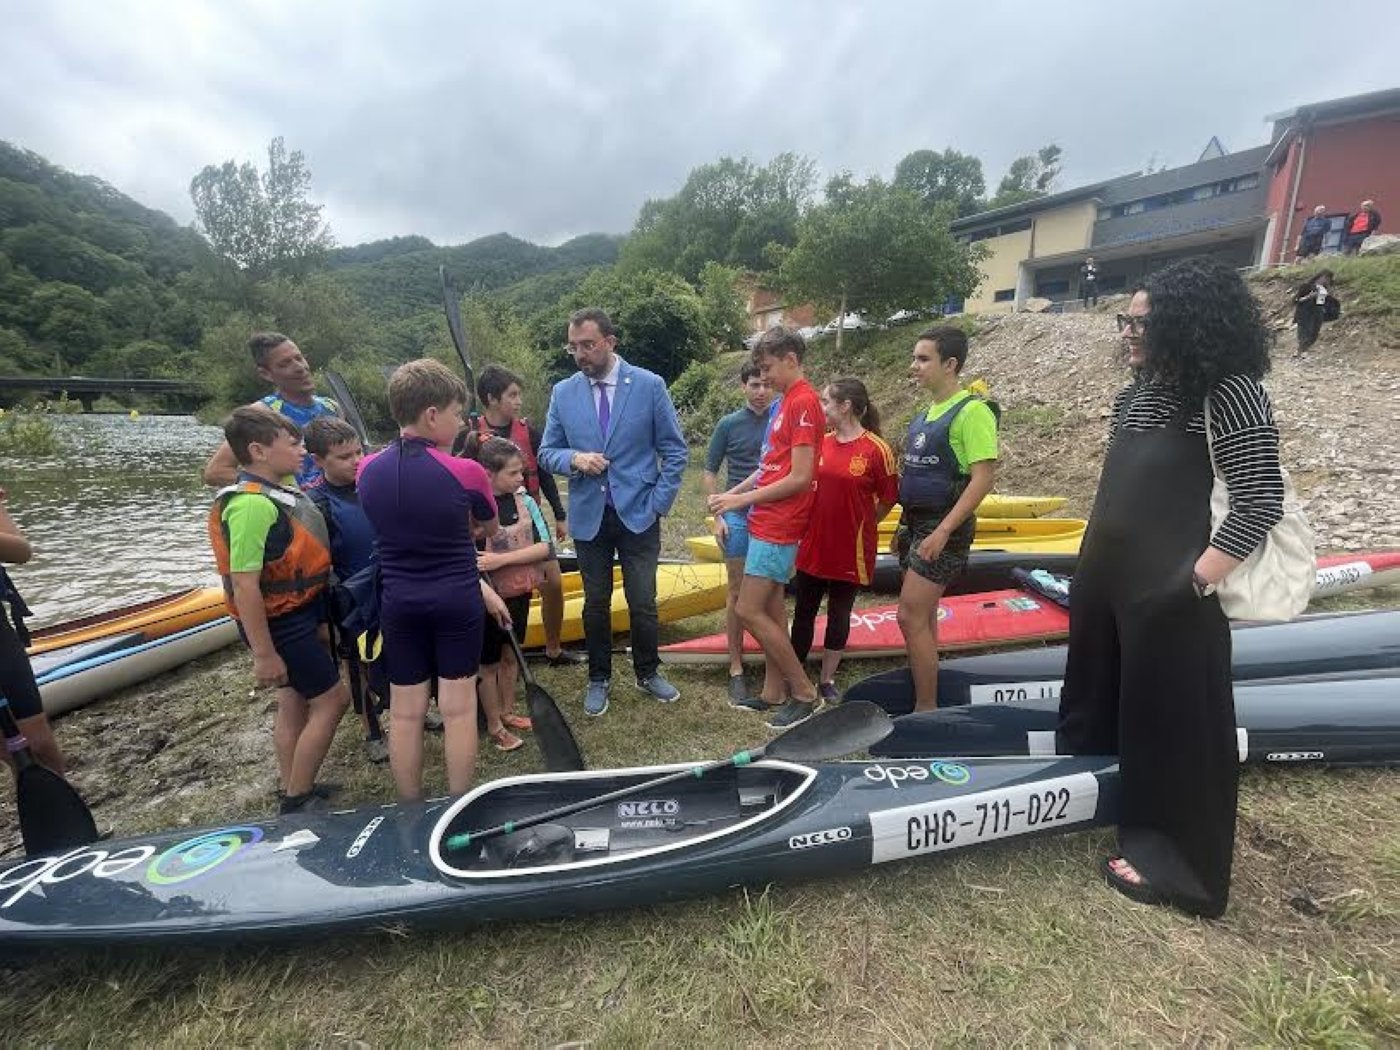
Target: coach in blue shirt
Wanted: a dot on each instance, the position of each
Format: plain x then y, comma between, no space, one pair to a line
613,429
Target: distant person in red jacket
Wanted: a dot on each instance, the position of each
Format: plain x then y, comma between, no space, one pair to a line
1360,225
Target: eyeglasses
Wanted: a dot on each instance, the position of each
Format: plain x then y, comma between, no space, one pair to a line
1129,322
586,346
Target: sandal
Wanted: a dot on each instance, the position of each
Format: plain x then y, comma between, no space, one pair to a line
518,722
505,740
1127,880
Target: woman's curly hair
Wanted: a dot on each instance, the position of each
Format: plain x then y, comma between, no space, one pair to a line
1205,325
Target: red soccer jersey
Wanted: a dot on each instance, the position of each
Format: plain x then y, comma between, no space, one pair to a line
841,539
799,421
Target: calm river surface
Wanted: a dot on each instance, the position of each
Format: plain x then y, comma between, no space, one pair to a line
116,516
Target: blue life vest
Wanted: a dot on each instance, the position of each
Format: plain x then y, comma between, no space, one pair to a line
352,537
932,480
302,415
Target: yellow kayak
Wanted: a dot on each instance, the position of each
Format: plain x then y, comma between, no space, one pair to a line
1031,535
996,505
151,619
685,589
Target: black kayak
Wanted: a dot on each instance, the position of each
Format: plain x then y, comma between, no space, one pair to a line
1338,721
323,873
1320,645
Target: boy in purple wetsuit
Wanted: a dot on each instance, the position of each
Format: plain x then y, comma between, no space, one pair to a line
427,509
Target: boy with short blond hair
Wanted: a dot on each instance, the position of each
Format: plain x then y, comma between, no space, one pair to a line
427,508
271,549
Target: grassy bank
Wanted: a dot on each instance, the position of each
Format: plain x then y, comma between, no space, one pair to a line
1014,943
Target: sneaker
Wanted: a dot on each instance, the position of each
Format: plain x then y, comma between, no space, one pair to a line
659,689
738,689
377,751
830,695
307,803
595,701
505,740
753,703
518,722
432,721
791,713
566,658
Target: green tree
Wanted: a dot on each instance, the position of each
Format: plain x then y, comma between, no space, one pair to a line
874,249
262,222
950,178
70,324
659,319
727,212
721,306
1029,177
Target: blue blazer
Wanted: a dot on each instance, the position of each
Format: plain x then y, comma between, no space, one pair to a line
646,451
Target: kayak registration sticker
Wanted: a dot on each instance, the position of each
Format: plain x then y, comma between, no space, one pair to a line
1335,579
1013,692
930,827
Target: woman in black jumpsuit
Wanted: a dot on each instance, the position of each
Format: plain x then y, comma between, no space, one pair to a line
1148,674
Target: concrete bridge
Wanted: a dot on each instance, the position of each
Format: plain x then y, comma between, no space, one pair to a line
175,392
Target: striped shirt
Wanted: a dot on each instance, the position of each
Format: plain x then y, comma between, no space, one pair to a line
1246,451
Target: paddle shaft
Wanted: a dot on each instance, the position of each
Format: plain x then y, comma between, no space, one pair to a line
743,758
352,411
15,741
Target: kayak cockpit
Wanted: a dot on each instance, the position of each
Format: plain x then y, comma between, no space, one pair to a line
724,803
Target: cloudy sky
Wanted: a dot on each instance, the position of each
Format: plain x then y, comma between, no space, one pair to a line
545,119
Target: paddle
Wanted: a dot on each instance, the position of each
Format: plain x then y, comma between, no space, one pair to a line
552,732
53,817
834,732
341,390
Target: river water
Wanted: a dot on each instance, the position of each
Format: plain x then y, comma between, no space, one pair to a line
116,516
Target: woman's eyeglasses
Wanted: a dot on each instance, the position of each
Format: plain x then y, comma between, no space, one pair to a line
1136,324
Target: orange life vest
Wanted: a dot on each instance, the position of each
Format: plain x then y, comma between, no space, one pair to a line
292,578
515,580
520,438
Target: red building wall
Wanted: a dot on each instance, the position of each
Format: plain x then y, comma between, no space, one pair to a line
1345,164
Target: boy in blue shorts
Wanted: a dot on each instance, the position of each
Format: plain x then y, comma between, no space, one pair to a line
427,509
336,451
737,442
271,549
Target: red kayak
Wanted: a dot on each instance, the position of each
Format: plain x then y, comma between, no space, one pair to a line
1011,617
967,621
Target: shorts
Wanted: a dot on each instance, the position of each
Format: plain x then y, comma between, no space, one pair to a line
736,544
16,676
770,561
436,635
950,564
311,670
493,639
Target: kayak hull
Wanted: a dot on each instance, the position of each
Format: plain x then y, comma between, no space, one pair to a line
1332,722
306,875
1319,645
152,619
682,589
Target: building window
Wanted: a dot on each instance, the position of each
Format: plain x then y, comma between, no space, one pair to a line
1004,296
1135,207
1045,289
1201,193
1105,213
1111,283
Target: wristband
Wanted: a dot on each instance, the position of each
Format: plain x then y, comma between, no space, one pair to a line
1201,585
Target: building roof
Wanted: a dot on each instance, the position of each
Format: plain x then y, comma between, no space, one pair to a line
1214,169
1036,204
1351,107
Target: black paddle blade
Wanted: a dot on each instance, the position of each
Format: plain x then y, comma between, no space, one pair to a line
341,390
557,744
53,818
837,731
452,304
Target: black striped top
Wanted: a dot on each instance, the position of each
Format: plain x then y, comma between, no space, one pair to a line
1246,451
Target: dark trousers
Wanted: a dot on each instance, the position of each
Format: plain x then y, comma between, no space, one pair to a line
810,590
637,553
1088,292
1309,324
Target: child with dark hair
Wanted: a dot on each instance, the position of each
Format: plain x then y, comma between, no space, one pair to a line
271,549
427,507
857,483
514,559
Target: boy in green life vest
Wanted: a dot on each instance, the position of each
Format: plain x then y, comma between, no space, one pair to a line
949,465
272,552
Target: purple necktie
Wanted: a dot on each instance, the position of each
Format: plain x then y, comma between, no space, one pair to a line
604,409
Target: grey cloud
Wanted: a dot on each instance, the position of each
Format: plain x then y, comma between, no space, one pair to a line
549,119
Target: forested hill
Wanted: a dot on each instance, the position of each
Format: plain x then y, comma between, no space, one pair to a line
396,278
90,280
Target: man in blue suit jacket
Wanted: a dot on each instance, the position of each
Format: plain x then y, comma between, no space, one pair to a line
613,429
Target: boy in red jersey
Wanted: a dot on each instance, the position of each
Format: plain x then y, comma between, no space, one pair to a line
781,494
